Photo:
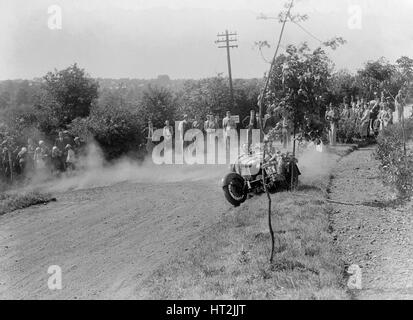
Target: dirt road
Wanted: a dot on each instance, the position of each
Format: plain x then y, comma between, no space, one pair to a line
373,233
104,239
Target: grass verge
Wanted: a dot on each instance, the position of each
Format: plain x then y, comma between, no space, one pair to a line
11,201
231,258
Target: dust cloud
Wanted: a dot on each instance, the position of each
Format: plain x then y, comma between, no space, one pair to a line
315,166
96,172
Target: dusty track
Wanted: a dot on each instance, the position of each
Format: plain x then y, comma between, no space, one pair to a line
373,234
105,239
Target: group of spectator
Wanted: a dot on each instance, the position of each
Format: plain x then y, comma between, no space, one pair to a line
271,120
368,117
39,157
364,118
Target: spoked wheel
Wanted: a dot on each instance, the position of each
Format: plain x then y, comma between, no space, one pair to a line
234,189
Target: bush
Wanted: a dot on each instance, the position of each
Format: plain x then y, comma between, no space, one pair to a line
347,130
117,130
396,167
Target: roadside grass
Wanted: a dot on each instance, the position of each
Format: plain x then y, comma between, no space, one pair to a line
231,258
13,200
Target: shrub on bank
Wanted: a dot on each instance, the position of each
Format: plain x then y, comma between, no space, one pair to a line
396,166
347,130
116,129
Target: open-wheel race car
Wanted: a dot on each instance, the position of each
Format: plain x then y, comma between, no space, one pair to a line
278,171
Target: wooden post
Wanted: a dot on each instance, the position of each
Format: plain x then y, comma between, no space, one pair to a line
225,38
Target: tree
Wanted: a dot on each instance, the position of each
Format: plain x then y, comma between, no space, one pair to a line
299,82
199,98
116,129
404,76
205,96
376,76
5,100
405,67
342,84
68,94
158,104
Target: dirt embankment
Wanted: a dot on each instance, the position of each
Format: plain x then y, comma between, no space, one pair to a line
371,230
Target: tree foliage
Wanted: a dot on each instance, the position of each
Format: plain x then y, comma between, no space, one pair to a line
67,94
158,104
299,82
116,129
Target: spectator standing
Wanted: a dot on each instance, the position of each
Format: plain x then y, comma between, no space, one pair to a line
346,113
183,127
269,121
286,132
210,128
39,161
217,122
228,124
168,132
149,129
22,159
365,121
61,142
45,154
251,123
79,147
387,117
31,147
71,158
333,119
196,124
56,158
399,103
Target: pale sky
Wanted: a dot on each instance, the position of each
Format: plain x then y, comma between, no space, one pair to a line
145,38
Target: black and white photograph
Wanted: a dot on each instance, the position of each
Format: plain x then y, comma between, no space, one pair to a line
206,154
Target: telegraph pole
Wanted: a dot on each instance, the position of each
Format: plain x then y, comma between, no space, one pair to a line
225,38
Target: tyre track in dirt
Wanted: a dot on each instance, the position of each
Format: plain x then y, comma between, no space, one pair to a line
373,233
106,240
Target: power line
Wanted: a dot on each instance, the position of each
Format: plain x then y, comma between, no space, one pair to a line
306,31
264,17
